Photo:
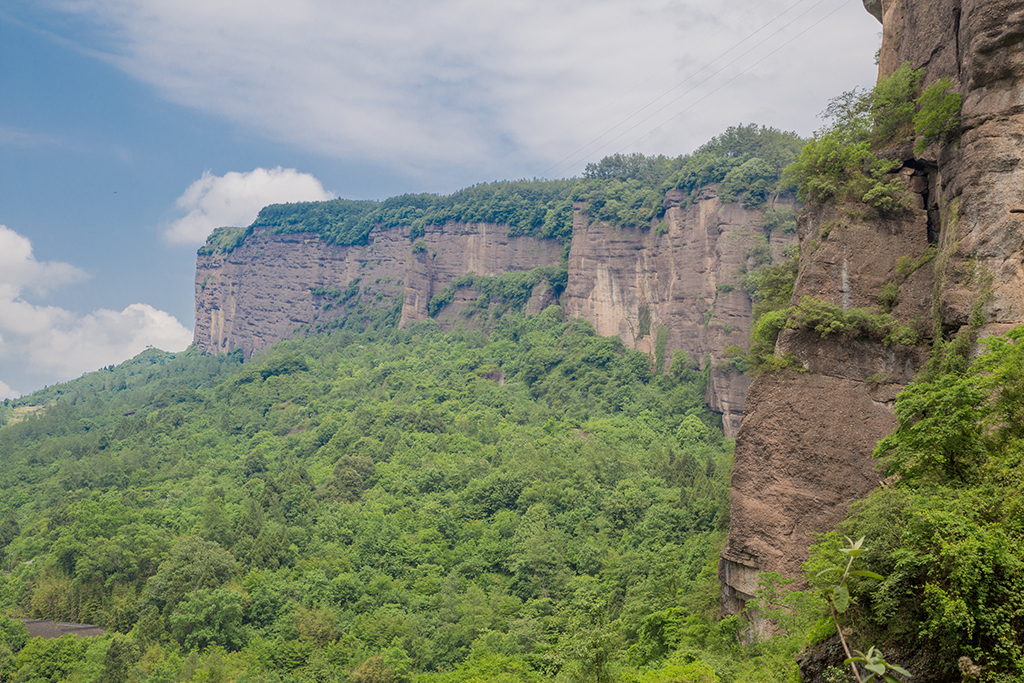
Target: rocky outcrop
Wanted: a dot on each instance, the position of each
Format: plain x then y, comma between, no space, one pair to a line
453,250
659,290
272,287
265,289
955,263
682,282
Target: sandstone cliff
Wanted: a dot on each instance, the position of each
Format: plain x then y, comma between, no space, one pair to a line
684,282
803,450
271,287
677,288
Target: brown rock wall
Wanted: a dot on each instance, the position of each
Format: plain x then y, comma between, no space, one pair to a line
261,292
803,450
629,282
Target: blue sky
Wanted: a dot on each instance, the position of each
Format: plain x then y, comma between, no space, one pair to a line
130,128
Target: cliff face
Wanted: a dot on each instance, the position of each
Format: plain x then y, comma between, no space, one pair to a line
271,286
956,261
679,289
684,283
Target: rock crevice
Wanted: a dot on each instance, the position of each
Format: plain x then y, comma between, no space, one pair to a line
950,264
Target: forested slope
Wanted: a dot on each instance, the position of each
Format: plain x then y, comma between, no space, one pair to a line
534,505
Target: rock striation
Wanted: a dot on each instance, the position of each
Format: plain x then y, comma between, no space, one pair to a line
271,287
804,447
683,283
677,288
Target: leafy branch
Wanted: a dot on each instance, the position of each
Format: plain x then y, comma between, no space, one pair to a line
838,598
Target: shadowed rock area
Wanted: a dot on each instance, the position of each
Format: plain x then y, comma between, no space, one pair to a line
804,448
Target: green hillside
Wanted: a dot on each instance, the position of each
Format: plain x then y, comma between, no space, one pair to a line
536,505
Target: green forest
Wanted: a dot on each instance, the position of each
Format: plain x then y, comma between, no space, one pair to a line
537,503
622,189
407,505
534,505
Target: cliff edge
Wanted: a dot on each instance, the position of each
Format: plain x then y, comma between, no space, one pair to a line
950,266
671,286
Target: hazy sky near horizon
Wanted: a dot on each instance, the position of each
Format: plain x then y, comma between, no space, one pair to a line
131,128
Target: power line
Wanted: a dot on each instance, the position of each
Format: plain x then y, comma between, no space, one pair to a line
650,78
676,85
695,103
598,138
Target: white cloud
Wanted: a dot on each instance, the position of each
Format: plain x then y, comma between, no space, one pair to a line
73,344
509,87
7,392
234,199
18,137
55,344
19,268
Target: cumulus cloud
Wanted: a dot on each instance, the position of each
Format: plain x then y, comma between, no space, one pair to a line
7,392
511,88
54,344
19,269
234,199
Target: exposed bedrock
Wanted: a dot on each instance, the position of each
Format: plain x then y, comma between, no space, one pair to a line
680,285
684,281
955,260
266,289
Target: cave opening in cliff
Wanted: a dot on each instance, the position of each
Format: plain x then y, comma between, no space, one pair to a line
928,174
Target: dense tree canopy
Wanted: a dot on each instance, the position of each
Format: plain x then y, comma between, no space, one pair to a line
622,189
393,506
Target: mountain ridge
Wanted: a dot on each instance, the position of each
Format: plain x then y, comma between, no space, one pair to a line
673,284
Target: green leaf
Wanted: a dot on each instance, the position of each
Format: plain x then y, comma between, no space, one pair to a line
877,668
900,670
870,575
841,599
889,678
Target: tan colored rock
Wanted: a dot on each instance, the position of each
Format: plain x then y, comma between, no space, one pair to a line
629,282
824,425
803,451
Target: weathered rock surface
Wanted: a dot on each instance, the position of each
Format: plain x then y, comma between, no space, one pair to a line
633,283
455,249
803,450
264,290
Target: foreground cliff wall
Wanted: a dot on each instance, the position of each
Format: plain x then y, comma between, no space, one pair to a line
804,448
677,288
